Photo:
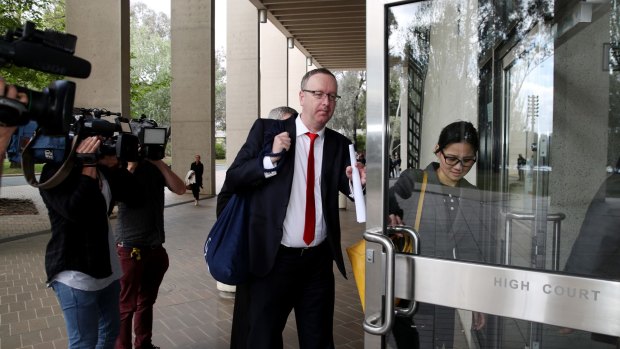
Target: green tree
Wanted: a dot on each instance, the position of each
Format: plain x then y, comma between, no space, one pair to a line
150,64
350,114
220,90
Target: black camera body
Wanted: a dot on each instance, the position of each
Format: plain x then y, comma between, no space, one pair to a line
47,51
118,139
152,139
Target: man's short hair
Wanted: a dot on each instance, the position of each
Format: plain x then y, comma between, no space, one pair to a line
307,76
279,113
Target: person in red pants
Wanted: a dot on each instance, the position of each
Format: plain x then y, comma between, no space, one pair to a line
140,237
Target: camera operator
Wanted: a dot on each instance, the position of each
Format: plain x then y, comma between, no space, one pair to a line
140,237
8,91
80,260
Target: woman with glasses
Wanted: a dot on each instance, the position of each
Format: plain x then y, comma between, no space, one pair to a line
450,224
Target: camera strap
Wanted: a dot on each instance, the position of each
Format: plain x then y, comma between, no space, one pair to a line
58,177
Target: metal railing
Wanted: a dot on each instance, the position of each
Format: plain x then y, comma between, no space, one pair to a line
556,218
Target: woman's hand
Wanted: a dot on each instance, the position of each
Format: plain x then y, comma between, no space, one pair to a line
479,321
394,220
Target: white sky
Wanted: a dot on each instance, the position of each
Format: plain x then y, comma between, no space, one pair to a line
220,17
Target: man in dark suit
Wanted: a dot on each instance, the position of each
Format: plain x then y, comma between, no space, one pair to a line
293,240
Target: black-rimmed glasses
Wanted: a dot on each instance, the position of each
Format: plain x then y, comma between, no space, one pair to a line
453,160
320,94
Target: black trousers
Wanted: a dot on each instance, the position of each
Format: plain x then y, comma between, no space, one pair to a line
196,190
301,280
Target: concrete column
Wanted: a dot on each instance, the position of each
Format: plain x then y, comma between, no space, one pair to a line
102,28
242,81
273,68
297,68
581,116
193,87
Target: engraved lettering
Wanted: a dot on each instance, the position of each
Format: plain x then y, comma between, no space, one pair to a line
525,285
514,284
572,292
511,283
550,289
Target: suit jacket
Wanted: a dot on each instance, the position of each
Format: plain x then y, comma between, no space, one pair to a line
270,196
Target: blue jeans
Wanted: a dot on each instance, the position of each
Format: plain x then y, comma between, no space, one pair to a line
92,317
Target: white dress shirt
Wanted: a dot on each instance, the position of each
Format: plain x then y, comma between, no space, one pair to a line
296,209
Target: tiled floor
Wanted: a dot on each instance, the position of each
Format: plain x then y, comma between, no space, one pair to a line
190,311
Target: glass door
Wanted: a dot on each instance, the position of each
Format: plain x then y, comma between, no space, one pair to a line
506,118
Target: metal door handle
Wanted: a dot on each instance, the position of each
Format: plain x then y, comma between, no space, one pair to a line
376,235
415,239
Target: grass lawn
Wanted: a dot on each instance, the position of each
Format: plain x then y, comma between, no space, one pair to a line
7,170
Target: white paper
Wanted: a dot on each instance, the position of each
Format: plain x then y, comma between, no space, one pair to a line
358,192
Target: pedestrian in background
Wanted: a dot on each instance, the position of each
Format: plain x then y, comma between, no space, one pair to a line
198,169
281,113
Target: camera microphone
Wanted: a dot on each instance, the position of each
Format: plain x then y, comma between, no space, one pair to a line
27,54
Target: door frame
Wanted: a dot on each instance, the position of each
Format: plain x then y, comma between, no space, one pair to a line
377,256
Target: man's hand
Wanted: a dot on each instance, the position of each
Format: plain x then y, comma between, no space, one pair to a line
362,170
89,145
281,142
8,91
131,166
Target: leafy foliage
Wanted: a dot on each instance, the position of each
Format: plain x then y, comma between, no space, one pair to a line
150,64
151,77
350,114
220,91
220,151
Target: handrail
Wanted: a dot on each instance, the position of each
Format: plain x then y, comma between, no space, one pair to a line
556,218
376,235
415,240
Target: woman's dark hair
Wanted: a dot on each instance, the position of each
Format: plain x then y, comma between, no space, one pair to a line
457,132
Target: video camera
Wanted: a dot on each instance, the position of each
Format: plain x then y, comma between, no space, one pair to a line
118,139
129,140
152,139
47,51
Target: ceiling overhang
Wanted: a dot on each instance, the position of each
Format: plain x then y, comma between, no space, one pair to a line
332,32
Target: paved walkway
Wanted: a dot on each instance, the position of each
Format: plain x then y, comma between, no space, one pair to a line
190,312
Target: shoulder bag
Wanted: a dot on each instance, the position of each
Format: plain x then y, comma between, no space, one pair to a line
226,249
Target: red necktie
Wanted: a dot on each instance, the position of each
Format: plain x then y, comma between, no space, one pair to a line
310,210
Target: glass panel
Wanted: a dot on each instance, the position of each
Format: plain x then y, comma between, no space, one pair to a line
539,81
